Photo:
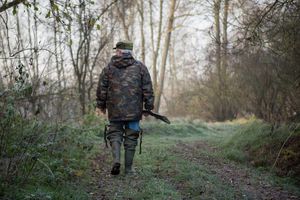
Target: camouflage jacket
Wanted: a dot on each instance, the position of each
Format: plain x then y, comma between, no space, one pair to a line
124,86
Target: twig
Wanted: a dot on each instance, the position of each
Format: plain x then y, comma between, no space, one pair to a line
292,132
29,172
264,15
35,49
46,167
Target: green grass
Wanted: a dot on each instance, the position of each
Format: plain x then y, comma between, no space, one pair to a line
233,142
256,143
253,143
164,175
64,153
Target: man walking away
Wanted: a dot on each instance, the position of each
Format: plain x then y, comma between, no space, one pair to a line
124,88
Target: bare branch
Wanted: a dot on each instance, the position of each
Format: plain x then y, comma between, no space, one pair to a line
6,6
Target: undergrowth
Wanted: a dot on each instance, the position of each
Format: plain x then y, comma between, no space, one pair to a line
45,161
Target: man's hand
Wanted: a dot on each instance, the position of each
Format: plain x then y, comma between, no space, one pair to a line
145,114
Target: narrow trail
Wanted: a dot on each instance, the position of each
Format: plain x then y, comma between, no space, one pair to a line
246,183
101,175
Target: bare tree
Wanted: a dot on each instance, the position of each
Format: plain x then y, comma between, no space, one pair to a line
126,19
155,50
141,12
165,54
80,44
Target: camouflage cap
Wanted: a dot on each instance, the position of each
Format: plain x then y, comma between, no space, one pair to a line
124,45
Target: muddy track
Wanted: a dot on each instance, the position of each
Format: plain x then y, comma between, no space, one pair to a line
241,178
104,185
101,176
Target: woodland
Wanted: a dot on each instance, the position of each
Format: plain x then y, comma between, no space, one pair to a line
225,72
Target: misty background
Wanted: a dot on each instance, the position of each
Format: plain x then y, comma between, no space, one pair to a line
213,60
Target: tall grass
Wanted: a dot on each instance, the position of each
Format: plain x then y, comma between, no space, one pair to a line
260,144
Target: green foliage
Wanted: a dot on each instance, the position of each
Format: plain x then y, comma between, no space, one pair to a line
93,120
98,26
48,14
14,12
38,159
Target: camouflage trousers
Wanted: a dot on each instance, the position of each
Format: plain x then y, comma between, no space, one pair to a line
120,131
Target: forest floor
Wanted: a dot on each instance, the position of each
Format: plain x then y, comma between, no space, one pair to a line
186,163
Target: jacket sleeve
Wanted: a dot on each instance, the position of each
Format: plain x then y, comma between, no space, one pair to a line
102,89
148,96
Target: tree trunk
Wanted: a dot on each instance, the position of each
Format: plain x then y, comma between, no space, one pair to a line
155,49
224,44
225,39
126,22
6,66
141,11
229,112
219,93
57,65
164,55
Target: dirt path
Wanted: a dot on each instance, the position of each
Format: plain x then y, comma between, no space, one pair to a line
104,185
101,176
248,184
241,178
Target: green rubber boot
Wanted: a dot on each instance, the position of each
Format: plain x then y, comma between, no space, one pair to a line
130,142
116,151
129,155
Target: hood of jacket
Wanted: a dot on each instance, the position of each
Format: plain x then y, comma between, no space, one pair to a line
122,61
